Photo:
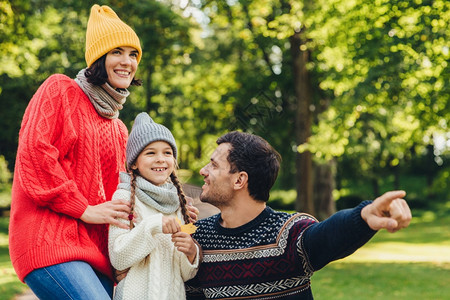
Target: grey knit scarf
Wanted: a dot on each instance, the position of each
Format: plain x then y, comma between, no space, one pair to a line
106,100
163,198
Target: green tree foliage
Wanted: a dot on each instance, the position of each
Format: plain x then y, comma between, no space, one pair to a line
377,76
5,174
385,64
378,72
263,101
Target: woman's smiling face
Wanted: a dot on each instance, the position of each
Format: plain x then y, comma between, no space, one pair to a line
121,66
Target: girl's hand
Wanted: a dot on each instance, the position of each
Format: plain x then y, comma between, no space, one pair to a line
185,244
170,225
108,213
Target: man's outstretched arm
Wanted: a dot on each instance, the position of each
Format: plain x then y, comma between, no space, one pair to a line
347,230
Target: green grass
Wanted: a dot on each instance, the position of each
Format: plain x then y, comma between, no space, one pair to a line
382,281
426,227
413,263
10,285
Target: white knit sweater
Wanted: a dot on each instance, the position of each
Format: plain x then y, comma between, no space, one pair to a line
158,269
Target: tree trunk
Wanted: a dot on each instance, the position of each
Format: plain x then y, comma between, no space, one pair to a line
303,121
323,190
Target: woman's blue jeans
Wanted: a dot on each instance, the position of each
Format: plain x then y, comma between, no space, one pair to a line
72,280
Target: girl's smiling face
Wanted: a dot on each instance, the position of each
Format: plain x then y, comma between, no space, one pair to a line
156,162
121,66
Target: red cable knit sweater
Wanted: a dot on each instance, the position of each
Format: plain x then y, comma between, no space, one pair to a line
69,157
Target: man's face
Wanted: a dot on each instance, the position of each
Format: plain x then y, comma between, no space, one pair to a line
218,187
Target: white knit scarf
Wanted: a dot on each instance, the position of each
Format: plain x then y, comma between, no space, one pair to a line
106,100
163,198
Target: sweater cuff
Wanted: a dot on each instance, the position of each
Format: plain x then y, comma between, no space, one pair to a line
72,202
359,222
196,262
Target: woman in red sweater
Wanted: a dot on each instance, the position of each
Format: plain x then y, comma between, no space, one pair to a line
71,150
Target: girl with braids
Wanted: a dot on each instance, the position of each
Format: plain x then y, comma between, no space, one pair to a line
158,255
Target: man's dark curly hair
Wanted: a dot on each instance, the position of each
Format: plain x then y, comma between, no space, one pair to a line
255,156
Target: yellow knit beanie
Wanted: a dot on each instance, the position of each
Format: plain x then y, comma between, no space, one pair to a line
105,31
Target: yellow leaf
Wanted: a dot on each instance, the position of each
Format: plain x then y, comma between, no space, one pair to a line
188,228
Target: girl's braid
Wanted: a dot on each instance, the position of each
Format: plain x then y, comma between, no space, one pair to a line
181,195
132,198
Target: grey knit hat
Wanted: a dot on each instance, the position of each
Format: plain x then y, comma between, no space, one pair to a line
144,132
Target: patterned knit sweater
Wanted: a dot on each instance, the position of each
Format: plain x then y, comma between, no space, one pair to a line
274,255
157,269
69,157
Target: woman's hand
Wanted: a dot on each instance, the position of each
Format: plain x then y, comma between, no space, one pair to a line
192,211
108,213
119,275
185,244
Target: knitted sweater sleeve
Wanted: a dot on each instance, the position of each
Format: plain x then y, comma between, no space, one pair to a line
128,247
45,139
336,237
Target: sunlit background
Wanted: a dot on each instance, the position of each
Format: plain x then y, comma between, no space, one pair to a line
354,94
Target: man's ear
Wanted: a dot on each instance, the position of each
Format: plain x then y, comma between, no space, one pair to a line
241,180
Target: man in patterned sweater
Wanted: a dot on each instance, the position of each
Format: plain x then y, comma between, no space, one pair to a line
253,252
